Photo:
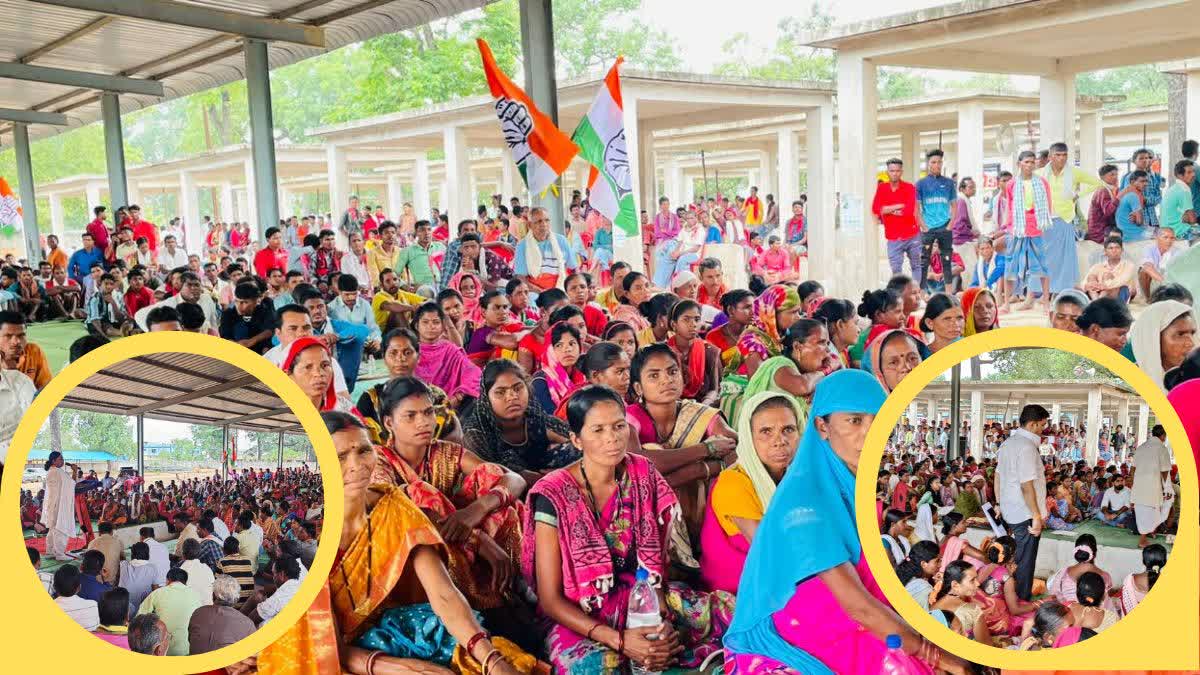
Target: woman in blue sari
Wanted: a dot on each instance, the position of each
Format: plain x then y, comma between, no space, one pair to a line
822,612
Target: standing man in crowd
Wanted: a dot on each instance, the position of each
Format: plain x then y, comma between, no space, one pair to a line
352,219
895,209
1021,491
936,195
1067,184
1143,160
1152,493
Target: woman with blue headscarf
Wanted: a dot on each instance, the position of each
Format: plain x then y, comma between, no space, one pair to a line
822,612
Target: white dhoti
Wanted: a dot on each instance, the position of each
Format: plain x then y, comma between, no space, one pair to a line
1150,517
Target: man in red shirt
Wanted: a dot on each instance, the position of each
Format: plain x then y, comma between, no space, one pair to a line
712,283
143,228
99,231
138,295
895,207
274,255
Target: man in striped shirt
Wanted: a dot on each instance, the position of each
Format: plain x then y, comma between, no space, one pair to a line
238,566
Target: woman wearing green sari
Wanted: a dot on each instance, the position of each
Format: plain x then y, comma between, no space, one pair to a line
805,360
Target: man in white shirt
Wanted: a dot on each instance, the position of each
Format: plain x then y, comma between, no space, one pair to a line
1021,491
291,323
1115,505
192,292
171,255
160,559
287,577
82,611
1152,494
16,395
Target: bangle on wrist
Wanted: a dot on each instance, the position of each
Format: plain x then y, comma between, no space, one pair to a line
474,641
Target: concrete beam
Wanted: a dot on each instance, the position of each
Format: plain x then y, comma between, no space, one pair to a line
114,149
195,16
32,117
80,79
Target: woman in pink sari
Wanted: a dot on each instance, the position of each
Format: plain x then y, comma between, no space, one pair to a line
442,362
470,287
1004,612
954,546
560,375
1062,584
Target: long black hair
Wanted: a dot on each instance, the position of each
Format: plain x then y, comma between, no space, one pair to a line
950,521
955,572
921,553
600,358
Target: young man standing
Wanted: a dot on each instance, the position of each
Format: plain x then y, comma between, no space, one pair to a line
1133,212
274,255
1102,213
98,229
1031,205
1021,485
1143,160
386,255
935,197
352,219
895,208
1066,183
143,228
796,235
80,264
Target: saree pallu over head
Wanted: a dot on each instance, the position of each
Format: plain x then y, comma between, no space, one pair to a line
873,354
810,524
329,399
446,365
1146,336
693,376
762,337
747,456
587,562
471,309
970,296
560,381
733,401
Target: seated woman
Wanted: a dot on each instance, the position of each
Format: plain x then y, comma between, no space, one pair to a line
891,356
624,336
944,318
774,312
1162,337
885,309
510,429
637,291
700,360
470,290
685,440
532,346
737,307
1062,584
473,504
804,362
955,546
114,513
591,526
839,319
768,436
606,364
390,559
1138,584
1053,626
1003,611
494,334
822,612
918,569
971,499
956,600
442,362
520,311
578,292
657,311
982,312
559,374
458,327
401,351
310,366
895,531
1087,611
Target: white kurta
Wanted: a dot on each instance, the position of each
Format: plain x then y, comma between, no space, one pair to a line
58,510
1151,460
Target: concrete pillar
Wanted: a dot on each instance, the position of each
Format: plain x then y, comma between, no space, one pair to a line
508,177
57,219
458,201
689,188
421,205
114,148
788,171
250,210
133,192
443,199
1056,108
628,247
1091,142
649,169
1143,426
189,210
337,171
1192,105
821,233
976,438
857,128
33,244
1055,413
285,203
1177,94
931,410
395,197
751,179
673,181
262,136
767,176
911,413
970,152
227,212
1092,448
537,49
910,154
472,194
92,197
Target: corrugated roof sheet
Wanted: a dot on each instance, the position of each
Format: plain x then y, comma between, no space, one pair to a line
186,60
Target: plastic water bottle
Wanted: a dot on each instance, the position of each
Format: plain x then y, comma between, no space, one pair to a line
371,364
895,661
644,611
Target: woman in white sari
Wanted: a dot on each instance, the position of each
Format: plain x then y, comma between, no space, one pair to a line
58,507
1162,337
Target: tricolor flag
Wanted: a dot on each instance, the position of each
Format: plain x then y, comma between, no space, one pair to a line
541,151
10,207
601,140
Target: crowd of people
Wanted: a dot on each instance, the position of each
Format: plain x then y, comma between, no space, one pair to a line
552,419
987,590
1063,440
241,546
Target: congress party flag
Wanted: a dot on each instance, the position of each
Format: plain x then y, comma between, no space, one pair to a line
541,151
601,140
10,207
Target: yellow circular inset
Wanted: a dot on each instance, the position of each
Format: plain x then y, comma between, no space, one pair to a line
1161,633
37,633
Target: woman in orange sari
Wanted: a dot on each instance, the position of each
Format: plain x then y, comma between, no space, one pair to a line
390,558
473,503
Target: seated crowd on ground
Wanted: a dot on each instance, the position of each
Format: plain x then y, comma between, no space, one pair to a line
552,420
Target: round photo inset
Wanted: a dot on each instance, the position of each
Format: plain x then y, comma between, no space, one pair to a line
1027,499
171,504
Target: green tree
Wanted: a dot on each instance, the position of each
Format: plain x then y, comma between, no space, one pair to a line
789,59
1044,364
1141,85
590,34
87,430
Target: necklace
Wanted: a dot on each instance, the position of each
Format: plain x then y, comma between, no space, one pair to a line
591,494
658,434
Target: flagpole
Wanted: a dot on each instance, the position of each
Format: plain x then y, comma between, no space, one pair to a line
704,170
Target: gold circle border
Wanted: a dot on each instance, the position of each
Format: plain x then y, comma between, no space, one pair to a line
1160,633
32,617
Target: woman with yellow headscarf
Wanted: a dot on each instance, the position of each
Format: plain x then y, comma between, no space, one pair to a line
983,314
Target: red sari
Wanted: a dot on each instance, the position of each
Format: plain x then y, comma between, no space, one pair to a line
694,374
